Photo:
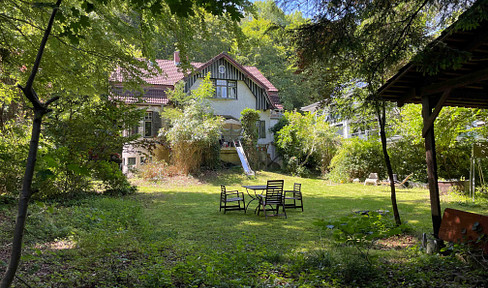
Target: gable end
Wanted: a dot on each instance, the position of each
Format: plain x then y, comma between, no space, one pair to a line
231,73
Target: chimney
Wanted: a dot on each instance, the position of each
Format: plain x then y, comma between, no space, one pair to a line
176,57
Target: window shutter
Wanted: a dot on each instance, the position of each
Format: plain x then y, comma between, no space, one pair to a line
156,123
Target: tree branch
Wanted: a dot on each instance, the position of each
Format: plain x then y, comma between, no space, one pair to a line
400,37
35,68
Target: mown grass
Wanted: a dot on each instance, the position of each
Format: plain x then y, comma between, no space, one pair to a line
175,236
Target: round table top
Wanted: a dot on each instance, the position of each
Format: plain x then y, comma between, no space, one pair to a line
255,187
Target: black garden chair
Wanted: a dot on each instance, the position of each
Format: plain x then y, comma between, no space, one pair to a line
294,195
273,198
231,200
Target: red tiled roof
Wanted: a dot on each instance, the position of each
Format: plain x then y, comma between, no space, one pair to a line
254,71
152,95
171,74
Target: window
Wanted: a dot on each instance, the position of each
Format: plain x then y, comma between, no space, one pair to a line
225,89
131,161
261,129
143,161
148,124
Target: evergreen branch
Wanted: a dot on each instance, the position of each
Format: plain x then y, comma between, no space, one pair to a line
400,37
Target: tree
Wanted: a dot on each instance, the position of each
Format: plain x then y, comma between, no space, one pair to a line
364,42
267,44
454,139
85,29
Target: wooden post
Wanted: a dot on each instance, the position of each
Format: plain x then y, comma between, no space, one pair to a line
430,157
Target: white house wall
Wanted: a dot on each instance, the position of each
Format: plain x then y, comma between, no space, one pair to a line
232,107
131,151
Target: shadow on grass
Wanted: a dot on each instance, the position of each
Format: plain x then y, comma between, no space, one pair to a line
194,217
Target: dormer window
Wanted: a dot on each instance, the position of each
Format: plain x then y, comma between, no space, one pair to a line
225,89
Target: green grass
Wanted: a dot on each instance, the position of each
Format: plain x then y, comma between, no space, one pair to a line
175,236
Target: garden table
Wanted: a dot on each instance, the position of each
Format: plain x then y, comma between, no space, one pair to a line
254,188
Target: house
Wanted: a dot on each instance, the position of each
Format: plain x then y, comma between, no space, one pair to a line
344,126
236,87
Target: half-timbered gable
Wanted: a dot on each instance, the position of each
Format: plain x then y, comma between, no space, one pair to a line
224,67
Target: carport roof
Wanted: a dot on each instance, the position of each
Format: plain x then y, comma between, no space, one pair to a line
468,82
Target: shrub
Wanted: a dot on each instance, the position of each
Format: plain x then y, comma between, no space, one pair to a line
306,142
454,137
14,145
114,182
195,130
361,229
408,157
81,145
192,134
249,117
357,158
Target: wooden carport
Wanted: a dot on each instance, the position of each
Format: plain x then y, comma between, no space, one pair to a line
465,86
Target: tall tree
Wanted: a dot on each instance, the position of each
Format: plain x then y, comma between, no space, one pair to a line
362,43
108,32
262,39
268,45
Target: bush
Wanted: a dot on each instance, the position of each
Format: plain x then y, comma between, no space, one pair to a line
14,145
307,143
195,130
249,117
82,145
454,137
408,157
360,230
357,158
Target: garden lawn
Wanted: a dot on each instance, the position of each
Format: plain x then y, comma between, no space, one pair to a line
172,235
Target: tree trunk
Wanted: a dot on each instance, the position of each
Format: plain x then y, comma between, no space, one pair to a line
40,109
380,111
25,195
